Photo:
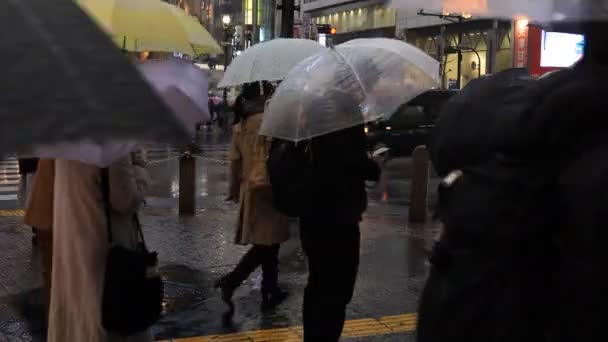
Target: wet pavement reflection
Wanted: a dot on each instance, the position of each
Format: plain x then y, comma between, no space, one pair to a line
195,251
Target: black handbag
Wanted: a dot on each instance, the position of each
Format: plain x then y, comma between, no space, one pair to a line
133,288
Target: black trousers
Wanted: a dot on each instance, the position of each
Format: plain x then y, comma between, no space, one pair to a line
333,263
258,255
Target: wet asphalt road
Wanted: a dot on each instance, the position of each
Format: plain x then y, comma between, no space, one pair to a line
195,251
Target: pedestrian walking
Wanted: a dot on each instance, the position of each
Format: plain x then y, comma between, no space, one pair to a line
330,232
322,181
259,223
80,241
39,216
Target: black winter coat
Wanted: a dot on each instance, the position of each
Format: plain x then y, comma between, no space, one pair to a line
524,255
341,166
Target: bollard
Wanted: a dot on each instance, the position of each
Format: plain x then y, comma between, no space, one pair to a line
419,185
187,184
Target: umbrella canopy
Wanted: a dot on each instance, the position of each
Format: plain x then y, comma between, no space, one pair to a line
353,83
537,10
201,40
65,81
269,61
150,25
183,88
191,82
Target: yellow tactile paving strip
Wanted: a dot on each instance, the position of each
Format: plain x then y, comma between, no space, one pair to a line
12,213
353,328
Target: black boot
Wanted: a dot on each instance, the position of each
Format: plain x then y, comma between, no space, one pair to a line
227,291
272,299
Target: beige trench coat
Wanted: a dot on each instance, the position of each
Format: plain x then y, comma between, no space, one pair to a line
39,212
259,222
80,245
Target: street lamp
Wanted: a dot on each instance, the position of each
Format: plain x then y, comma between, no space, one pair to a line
226,19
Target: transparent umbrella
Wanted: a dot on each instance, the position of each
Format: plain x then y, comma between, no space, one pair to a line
353,83
269,61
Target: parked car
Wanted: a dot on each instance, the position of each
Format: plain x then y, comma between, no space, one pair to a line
410,126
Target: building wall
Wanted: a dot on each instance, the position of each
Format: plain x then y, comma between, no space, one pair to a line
360,19
191,7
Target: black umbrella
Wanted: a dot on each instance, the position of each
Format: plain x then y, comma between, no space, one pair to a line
65,80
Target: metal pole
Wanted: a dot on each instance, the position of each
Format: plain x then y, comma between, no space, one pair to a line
478,65
287,10
493,48
442,57
254,23
419,185
459,68
187,183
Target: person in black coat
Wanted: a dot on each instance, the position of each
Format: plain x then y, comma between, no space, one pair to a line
330,229
523,256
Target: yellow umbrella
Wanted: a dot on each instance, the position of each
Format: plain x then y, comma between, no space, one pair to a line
143,25
202,42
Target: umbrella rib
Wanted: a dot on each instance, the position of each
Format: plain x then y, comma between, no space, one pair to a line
357,77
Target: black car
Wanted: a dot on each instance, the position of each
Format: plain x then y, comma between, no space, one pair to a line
409,127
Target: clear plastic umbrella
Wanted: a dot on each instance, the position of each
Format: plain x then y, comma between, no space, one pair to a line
353,83
269,61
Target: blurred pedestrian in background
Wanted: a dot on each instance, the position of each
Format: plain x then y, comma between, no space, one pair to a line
259,223
80,245
39,216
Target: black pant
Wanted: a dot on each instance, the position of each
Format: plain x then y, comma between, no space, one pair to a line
258,255
333,262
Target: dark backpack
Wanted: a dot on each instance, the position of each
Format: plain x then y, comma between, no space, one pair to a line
290,170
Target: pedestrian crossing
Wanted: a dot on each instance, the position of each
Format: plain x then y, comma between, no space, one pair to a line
9,181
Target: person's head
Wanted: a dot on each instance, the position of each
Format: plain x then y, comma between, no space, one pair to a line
255,90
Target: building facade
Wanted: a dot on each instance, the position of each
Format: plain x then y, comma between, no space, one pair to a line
486,45
365,18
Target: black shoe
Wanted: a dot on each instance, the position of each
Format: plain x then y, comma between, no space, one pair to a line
271,300
227,292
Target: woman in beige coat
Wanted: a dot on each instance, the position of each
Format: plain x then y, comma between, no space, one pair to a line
80,245
259,223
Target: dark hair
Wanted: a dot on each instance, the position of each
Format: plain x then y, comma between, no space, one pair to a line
255,91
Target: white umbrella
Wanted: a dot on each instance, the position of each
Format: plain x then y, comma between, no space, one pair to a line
342,87
537,10
268,61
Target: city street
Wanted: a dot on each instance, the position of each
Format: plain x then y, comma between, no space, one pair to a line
195,251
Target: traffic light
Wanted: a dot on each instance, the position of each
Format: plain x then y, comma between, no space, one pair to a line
326,29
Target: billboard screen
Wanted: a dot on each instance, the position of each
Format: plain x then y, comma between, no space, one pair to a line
561,50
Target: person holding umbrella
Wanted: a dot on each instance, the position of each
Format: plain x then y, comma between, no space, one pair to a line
318,164
259,223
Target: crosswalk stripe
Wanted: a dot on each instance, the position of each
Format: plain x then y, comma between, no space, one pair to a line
12,197
9,188
9,182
